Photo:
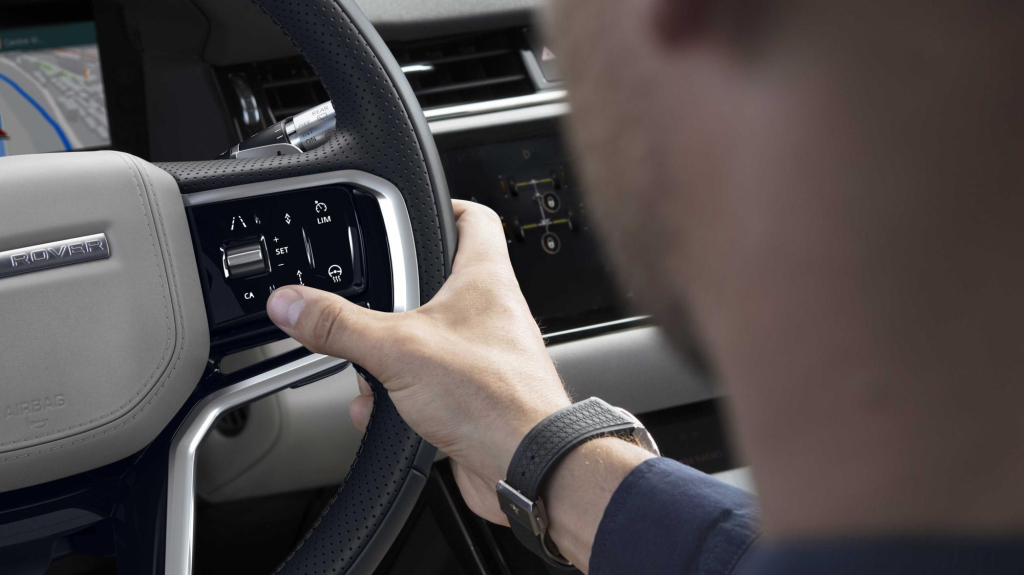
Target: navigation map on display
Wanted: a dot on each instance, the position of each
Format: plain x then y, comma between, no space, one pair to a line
51,90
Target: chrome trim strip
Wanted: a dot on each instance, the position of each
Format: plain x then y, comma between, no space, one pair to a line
504,104
625,321
178,551
418,68
246,100
503,118
181,466
54,254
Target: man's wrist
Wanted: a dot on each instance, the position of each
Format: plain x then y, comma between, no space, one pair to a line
540,452
579,487
498,467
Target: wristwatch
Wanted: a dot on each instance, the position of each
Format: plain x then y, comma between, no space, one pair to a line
543,446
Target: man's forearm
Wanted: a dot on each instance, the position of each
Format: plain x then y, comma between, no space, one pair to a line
578,491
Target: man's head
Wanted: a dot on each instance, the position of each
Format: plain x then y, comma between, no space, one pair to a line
830,191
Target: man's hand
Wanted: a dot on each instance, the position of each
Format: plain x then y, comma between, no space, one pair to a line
468,371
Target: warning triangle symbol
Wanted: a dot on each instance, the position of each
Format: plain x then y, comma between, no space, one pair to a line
547,55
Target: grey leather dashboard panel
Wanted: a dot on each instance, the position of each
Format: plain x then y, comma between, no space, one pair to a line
96,357
636,369
405,19
419,11
302,438
239,33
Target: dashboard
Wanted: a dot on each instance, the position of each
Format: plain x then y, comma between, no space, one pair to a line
171,80
67,84
176,80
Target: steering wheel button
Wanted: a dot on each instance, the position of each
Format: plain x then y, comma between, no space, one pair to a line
245,260
307,236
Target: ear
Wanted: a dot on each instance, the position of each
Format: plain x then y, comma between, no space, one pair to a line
676,22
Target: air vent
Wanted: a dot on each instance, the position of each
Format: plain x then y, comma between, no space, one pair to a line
442,72
465,69
289,87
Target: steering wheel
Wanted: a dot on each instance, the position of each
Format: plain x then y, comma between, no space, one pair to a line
114,321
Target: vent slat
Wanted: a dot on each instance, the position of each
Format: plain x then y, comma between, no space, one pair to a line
467,69
473,56
462,70
288,82
470,85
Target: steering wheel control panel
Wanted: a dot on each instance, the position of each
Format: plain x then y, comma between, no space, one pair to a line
558,262
249,247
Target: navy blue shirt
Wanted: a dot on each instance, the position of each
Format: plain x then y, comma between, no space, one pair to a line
667,518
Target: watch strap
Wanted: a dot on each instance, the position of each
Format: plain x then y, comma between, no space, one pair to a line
558,433
545,444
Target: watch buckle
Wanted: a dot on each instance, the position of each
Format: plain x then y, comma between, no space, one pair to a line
531,514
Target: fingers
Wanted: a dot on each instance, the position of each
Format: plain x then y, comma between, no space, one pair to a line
362,406
481,236
359,410
478,494
329,324
364,388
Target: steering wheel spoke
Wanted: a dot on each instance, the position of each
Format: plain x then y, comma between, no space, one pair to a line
383,176
393,269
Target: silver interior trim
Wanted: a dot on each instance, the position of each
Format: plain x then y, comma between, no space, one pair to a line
246,101
618,322
418,68
636,369
265,151
503,118
181,465
54,254
504,104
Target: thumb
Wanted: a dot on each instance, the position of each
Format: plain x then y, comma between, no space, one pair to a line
362,406
329,324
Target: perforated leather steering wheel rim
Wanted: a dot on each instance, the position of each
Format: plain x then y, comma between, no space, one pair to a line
381,131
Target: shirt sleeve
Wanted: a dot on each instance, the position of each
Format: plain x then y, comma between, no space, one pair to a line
666,518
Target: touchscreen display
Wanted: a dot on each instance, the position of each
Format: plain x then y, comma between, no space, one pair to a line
51,89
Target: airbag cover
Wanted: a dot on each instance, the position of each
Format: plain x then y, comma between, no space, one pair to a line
95,357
